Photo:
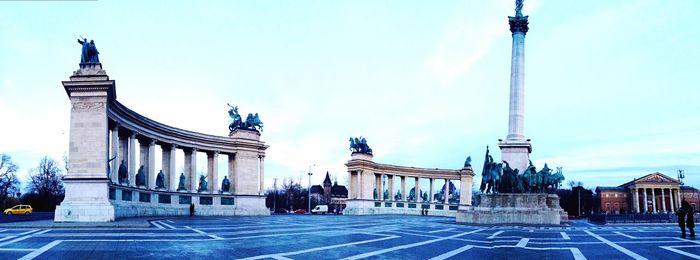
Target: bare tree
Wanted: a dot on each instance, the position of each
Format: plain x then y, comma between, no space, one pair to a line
9,184
46,187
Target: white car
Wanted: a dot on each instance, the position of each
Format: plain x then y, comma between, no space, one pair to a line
323,209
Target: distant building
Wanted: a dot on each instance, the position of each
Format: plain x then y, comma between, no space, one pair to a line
654,192
332,195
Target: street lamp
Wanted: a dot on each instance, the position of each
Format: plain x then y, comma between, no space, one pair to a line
310,187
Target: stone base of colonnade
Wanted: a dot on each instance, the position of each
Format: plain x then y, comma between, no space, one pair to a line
374,207
251,205
511,208
85,201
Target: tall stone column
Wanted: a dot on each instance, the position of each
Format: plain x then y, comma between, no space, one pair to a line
194,179
465,185
132,159
653,200
390,184
663,201
635,201
231,172
86,184
678,198
151,167
446,199
670,199
418,193
173,175
188,170
367,176
403,188
380,188
646,201
123,155
213,172
114,167
516,149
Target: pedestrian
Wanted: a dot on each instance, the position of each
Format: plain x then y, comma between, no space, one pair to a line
191,209
690,218
426,212
680,214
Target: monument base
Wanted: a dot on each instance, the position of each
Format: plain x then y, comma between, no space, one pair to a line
90,205
359,207
516,153
253,205
511,208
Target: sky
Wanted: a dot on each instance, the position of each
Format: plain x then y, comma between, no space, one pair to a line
611,87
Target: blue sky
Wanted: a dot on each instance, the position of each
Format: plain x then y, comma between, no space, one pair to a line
611,87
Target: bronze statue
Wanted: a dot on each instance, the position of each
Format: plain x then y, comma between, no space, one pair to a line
181,184
160,184
225,185
89,52
202,184
140,177
359,145
252,122
518,8
468,162
123,174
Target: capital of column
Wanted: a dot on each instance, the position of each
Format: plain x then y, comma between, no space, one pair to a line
518,24
134,134
153,142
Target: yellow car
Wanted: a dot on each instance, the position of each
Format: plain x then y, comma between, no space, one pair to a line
19,210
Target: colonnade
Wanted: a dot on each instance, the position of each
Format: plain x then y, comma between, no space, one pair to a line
379,185
123,148
657,196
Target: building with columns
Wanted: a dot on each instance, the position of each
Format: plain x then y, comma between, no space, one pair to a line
652,193
105,136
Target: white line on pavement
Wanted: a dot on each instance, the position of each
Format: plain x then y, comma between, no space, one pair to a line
170,221
522,242
320,248
441,230
41,250
204,233
577,254
616,246
564,235
623,234
166,225
452,253
495,234
24,237
378,252
6,238
670,248
30,231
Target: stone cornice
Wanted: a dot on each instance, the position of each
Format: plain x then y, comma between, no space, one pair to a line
149,128
357,165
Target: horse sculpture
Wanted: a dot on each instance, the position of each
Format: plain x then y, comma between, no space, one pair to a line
252,122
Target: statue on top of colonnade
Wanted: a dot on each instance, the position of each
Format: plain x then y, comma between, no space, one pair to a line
252,122
89,52
501,178
359,145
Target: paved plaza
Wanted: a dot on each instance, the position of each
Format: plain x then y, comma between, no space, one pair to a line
345,237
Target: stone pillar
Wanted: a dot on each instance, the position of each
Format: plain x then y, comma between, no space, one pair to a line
151,167
262,175
646,201
114,167
132,159
678,198
380,187
86,184
231,172
188,169
430,195
418,193
635,200
465,185
403,188
165,165
390,181
670,199
194,179
143,159
172,175
367,176
213,172
124,155
663,201
447,191
653,200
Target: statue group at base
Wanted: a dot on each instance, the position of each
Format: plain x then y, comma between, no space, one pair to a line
497,178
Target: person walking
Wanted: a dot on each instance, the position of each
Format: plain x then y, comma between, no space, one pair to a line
680,213
192,213
690,218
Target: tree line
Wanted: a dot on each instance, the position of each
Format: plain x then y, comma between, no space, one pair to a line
45,187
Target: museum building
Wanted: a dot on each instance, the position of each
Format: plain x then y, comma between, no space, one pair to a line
652,193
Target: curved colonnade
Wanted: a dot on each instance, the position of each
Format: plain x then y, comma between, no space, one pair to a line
367,177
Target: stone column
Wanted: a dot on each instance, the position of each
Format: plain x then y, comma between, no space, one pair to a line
188,169
172,175
418,193
132,159
390,180
635,200
124,155
465,186
151,167
678,198
114,167
366,180
663,201
646,201
516,115
380,188
430,195
670,199
165,165
213,172
194,179
447,191
653,200
231,173
403,188
262,175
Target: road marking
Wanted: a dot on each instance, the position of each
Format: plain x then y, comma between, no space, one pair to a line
41,250
24,237
155,223
495,234
623,234
378,252
441,230
588,224
17,249
319,248
166,225
170,221
30,231
616,246
577,254
3,230
452,253
204,233
522,242
670,248
6,238
564,235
